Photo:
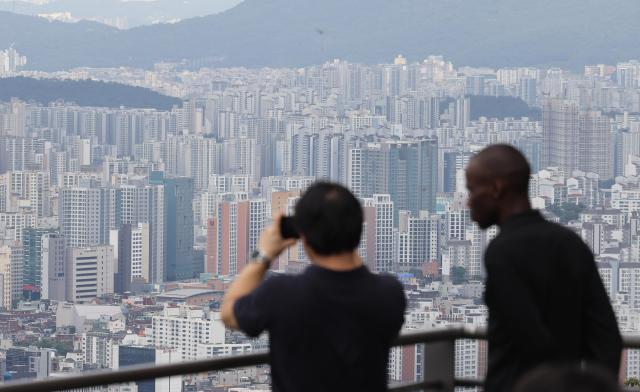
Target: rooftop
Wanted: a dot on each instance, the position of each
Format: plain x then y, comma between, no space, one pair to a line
185,293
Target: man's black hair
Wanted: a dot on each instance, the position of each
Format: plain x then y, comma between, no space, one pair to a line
330,218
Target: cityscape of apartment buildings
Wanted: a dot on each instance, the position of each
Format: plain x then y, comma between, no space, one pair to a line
120,228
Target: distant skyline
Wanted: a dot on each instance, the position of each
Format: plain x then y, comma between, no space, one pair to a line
258,33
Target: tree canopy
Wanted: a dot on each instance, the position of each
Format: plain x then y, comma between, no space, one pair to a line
83,93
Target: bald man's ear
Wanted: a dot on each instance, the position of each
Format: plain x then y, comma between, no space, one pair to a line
499,188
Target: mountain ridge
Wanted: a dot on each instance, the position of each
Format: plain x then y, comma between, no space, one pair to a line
292,33
137,12
84,93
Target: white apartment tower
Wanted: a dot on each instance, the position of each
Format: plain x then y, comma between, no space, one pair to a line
185,328
378,214
10,275
53,267
89,273
417,240
80,216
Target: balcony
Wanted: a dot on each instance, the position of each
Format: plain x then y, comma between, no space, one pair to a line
439,365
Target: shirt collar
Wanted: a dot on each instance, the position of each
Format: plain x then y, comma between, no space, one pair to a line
518,220
317,270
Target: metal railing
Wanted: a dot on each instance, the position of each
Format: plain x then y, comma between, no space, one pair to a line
438,365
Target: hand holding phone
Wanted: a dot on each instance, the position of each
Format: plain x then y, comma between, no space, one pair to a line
288,228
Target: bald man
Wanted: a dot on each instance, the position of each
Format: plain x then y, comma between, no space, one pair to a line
546,301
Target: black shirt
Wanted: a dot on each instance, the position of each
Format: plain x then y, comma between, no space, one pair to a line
328,331
546,302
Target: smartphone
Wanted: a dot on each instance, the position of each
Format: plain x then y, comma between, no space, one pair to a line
288,228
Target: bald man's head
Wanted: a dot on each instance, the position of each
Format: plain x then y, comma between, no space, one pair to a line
496,177
502,161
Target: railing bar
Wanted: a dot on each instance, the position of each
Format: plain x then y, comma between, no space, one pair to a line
137,373
455,333
425,337
469,382
416,386
146,372
631,341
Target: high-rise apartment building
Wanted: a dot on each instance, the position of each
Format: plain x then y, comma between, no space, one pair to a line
11,264
11,61
89,273
32,241
123,356
531,147
594,153
628,74
53,260
82,216
379,254
178,199
479,239
133,246
29,362
185,328
234,233
453,161
561,133
463,112
471,355
15,222
4,193
145,204
626,145
16,153
406,170
206,160
528,90
457,218
418,240
429,113
32,186
575,140
97,347
241,157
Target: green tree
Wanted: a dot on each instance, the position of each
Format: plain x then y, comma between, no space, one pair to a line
416,272
632,382
62,348
566,211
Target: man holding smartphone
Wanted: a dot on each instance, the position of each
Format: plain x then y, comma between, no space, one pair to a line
331,327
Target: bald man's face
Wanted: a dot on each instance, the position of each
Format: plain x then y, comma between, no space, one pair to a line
483,200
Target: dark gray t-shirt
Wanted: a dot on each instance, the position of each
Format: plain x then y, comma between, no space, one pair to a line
328,330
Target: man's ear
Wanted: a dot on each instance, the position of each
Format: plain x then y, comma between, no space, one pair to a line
499,187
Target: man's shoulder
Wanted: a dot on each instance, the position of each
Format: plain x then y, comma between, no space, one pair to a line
389,281
551,234
557,233
390,288
559,229
280,281
539,229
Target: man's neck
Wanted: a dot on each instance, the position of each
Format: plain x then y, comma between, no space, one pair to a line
340,262
517,206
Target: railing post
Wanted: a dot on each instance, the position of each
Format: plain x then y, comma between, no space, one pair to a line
439,364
